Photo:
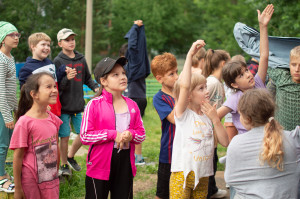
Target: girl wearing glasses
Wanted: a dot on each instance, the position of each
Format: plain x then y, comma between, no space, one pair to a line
9,39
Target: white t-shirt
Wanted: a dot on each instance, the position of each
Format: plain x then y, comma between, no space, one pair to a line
193,147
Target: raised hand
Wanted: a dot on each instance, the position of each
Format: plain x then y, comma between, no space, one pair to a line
266,15
139,22
196,46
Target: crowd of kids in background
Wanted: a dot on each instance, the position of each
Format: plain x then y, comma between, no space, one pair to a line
262,157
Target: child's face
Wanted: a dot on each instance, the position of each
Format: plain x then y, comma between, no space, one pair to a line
244,81
168,80
41,50
11,40
68,44
116,80
295,69
47,93
199,94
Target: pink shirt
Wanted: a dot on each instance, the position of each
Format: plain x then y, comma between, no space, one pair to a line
122,124
38,137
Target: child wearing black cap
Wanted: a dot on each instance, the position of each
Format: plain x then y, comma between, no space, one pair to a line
111,125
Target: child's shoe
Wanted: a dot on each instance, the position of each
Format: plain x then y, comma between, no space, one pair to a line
220,194
73,164
65,171
139,160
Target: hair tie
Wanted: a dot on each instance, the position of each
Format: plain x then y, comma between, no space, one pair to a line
271,118
212,51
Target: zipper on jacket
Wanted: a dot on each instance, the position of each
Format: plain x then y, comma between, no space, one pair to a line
89,155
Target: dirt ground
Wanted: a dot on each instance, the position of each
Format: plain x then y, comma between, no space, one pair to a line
151,179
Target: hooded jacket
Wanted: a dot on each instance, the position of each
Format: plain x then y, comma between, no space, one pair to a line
98,129
71,91
279,47
138,63
33,66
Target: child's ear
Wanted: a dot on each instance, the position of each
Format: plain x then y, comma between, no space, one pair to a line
103,81
31,47
59,43
33,94
234,85
222,63
159,78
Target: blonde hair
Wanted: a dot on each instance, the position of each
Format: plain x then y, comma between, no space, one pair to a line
161,64
35,38
295,52
196,79
198,56
259,107
240,58
212,60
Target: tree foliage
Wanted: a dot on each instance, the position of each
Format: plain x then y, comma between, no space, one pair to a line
171,25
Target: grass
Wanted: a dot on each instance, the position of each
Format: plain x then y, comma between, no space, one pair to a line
145,180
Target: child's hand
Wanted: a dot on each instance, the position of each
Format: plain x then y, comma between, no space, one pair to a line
210,111
96,89
138,22
10,125
266,15
196,46
71,73
19,194
126,136
118,137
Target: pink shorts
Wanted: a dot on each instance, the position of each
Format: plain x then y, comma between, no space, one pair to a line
33,190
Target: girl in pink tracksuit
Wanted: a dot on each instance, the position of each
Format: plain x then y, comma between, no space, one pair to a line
111,125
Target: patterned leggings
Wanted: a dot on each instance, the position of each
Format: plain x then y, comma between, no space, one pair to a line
178,192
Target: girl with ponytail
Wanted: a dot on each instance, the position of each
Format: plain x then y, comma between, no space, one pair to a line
35,140
214,61
262,163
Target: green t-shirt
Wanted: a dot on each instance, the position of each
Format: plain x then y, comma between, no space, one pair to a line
287,98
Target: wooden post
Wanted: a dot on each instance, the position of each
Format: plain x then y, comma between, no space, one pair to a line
89,33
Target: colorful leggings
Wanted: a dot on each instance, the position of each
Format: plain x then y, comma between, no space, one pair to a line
176,186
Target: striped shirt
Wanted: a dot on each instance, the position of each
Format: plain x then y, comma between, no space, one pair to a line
8,87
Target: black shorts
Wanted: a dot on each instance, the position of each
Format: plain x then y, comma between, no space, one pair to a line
120,180
163,180
142,104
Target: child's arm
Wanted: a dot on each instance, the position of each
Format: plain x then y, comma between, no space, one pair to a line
88,134
185,78
210,111
17,170
263,19
171,118
222,111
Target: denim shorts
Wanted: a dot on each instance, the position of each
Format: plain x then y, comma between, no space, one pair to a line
68,119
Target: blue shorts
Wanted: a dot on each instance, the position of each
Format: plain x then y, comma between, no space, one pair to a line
65,128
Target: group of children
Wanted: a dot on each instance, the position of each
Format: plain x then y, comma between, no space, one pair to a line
190,107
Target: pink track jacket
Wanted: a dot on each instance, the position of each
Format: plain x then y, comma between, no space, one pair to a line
98,129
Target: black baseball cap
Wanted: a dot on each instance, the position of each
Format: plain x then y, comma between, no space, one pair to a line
106,65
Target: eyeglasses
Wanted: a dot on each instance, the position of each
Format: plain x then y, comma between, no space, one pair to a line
14,35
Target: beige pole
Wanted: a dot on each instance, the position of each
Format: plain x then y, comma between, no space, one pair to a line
89,33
